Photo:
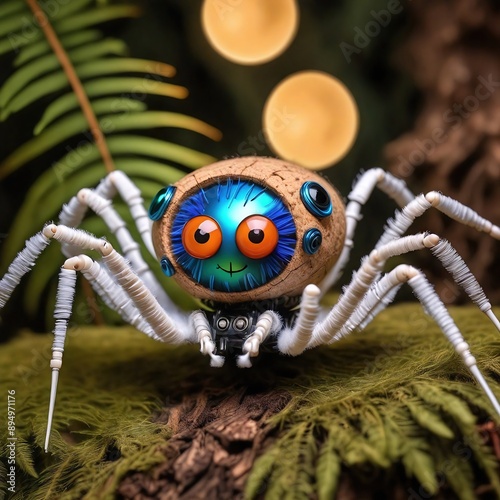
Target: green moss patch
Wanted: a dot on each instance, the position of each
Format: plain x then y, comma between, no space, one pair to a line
394,398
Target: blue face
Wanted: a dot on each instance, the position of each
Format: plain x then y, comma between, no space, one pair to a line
233,236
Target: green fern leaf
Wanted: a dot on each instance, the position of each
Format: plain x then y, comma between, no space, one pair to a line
27,74
17,40
69,102
420,464
261,474
106,105
428,419
67,9
98,87
75,123
456,471
24,457
130,145
11,7
11,24
328,469
84,55
448,403
96,16
69,41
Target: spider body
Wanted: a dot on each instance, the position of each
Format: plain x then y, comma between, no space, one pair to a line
237,199
258,241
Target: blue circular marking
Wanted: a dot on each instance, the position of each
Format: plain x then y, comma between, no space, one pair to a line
312,241
316,199
167,267
160,202
230,201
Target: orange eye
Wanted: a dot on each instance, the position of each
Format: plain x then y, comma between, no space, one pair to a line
256,237
201,237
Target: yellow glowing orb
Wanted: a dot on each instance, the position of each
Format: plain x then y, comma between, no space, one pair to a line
250,31
311,119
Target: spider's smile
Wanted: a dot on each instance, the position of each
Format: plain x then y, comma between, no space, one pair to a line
231,271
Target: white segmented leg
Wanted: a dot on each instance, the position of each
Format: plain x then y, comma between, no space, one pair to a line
412,207
113,296
382,292
74,211
115,182
21,265
404,219
130,248
433,307
267,323
366,275
145,301
462,275
75,237
131,195
62,314
436,309
383,303
100,201
204,336
294,341
161,323
376,177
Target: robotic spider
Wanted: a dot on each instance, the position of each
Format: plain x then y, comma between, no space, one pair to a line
259,241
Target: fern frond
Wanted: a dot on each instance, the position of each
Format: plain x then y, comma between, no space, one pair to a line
46,64
67,18
395,414
328,468
92,86
10,7
69,41
75,123
130,145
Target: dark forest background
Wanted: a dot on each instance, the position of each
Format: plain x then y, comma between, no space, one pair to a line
405,76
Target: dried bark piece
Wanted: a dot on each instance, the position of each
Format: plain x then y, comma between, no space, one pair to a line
215,441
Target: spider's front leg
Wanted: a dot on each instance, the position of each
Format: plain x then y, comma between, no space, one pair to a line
204,335
126,283
267,323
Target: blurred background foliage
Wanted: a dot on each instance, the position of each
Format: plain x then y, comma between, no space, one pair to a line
229,97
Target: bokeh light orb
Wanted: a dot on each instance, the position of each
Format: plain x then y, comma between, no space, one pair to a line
250,31
311,119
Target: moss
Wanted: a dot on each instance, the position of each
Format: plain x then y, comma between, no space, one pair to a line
394,398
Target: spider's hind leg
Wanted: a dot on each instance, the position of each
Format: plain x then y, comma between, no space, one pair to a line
432,305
